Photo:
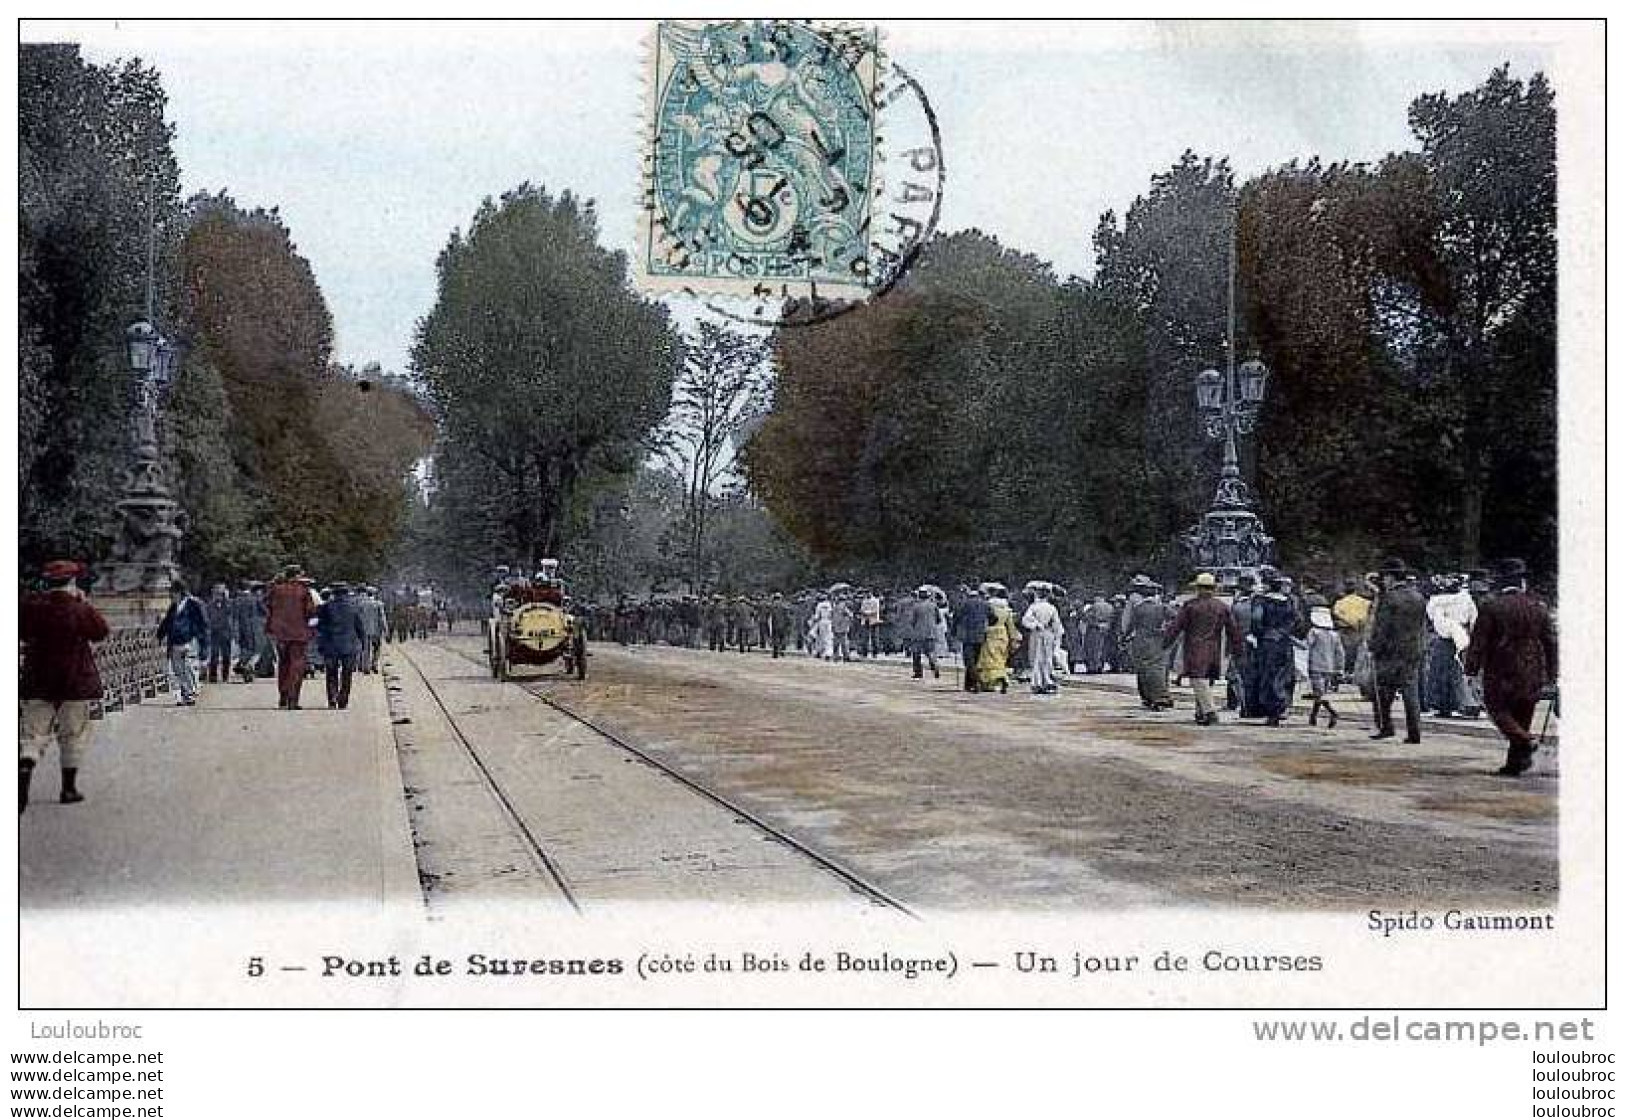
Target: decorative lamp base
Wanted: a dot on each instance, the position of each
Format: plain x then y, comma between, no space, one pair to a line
1230,543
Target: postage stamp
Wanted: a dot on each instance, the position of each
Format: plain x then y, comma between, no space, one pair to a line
761,170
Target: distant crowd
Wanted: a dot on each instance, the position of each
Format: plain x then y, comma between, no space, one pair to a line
1452,644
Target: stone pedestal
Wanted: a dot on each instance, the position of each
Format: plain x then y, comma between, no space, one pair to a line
137,609
152,523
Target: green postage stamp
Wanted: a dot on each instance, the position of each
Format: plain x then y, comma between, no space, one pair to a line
760,172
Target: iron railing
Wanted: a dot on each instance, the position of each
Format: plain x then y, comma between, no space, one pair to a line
133,667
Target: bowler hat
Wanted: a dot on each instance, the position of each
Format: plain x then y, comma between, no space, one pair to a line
1511,568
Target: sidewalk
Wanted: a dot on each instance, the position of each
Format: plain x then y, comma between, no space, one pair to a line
231,801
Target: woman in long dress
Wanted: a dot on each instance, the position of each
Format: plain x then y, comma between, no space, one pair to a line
993,666
1273,669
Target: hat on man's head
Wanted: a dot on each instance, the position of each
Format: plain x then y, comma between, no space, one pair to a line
291,571
1143,582
1511,569
1393,567
61,571
1205,579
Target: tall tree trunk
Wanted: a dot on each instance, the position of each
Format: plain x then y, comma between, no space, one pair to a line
1474,483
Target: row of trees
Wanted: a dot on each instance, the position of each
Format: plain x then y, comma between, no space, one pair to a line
577,421
987,416
276,452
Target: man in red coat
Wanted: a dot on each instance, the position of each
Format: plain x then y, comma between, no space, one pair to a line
1514,645
59,679
1207,625
289,609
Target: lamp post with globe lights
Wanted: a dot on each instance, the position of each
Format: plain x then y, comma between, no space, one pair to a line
1230,540
144,561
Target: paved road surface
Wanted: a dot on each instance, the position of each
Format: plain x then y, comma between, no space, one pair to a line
511,801
950,800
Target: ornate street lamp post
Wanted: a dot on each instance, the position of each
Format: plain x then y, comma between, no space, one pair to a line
143,562
1230,540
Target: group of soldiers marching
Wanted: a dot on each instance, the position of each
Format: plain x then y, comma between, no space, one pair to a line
719,623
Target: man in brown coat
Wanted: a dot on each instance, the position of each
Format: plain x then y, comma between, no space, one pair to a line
1514,645
1208,628
289,609
59,678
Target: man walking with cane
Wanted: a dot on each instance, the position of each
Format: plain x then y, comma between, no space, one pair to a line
1514,645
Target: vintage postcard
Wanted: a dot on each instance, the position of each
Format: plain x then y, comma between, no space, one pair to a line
781,513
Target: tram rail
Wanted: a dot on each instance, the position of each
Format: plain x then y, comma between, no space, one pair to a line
539,690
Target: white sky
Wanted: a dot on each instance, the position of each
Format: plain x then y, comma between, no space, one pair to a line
376,141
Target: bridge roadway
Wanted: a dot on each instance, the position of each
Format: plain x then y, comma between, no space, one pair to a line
511,800
948,800
850,785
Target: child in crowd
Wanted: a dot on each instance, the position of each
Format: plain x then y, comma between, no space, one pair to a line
1325,665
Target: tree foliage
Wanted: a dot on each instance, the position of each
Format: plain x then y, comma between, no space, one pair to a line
721,389
1409,313
271,452
985,417
975,414
317,465
94,162
545,371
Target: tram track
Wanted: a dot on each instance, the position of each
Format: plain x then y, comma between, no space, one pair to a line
493,786
538,691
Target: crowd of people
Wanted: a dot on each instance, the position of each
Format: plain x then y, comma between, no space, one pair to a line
292,628
1457,645
1453,644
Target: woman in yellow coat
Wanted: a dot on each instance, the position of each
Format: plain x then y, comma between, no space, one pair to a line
993,666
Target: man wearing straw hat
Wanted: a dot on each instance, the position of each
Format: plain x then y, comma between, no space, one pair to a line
1209,629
